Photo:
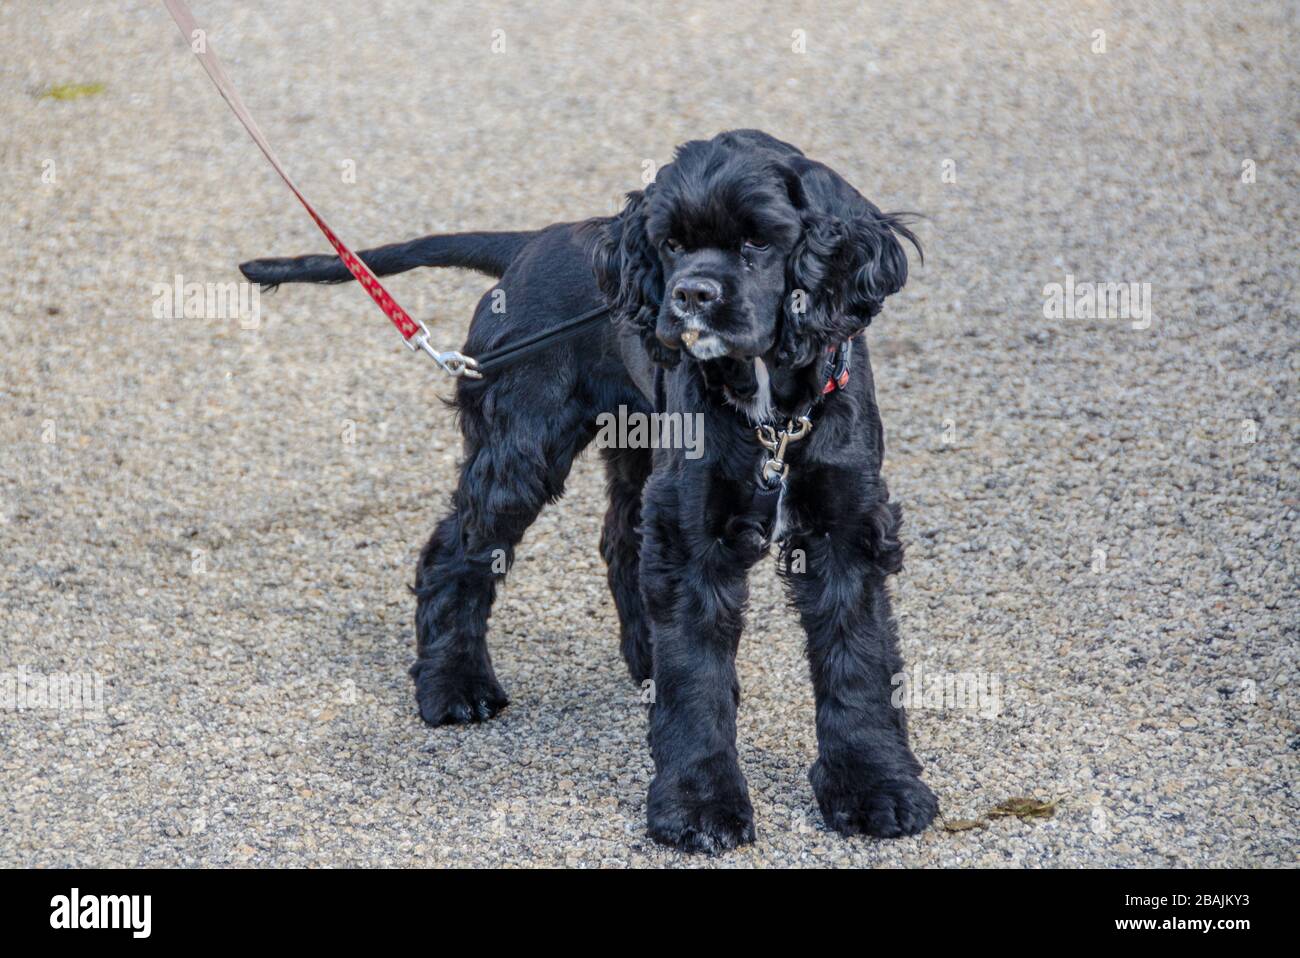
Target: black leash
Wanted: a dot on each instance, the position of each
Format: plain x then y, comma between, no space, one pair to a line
522,348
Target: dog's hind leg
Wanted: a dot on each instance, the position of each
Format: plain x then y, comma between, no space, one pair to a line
626,471
515,462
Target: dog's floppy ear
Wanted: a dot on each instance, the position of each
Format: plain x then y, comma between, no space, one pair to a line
847,260
630,274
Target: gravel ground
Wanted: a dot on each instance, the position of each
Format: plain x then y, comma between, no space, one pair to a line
219,522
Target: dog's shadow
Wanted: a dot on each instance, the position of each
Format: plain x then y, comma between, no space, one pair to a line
575,716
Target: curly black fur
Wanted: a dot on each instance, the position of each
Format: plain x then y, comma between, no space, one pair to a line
727,278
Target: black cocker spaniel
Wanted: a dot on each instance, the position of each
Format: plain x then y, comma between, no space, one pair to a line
734,281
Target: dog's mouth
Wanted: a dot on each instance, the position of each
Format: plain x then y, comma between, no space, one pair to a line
702,340
704,345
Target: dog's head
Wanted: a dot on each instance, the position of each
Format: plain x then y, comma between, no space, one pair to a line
743,247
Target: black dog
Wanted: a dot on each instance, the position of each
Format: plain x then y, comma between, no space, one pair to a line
730,278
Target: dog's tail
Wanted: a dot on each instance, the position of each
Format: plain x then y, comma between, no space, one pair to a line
490,253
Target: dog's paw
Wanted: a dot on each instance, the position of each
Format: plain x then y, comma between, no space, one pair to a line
455,699
710,822
860,801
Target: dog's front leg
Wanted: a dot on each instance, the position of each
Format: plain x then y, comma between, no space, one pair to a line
866,779
695,588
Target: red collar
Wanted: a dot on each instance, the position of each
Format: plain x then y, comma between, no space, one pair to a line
836,370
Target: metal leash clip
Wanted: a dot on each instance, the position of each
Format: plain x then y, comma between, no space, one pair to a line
453,363
774,470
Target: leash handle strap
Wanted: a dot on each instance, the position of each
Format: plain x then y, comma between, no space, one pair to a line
413,332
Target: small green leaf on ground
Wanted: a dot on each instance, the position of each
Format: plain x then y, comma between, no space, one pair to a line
1024,808
72,91
1021,808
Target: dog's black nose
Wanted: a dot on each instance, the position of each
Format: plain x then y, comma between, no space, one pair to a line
696,294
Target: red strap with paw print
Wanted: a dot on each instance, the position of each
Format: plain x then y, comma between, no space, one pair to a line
198,41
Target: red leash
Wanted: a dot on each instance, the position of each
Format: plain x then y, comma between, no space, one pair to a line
413,331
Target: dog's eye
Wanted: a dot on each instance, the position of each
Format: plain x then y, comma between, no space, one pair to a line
674,246
756,245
